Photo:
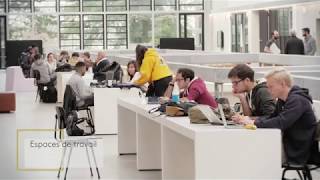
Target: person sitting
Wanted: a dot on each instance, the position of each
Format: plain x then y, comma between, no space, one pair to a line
51,62
293,115
153,70
87,60
194,88
74,59
46,75
83,92
63,59
101,62
132,72
254,96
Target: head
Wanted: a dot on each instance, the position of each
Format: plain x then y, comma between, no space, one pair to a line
37,57
101,55
279,82
34,49
131,68
50,57
293,33
242,78
305,32
140,51
75,55
183,77
81,68
275,35
86,56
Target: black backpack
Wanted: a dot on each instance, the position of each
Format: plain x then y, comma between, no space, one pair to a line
73,124
48,94
115,67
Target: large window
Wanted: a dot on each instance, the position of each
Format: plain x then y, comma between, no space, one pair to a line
45,5
69,5
93,32
191,5
165,5
69,32
239,32
2,6
20,27
140,5
117,31
116,5
165,26
140,29
19,5
92,5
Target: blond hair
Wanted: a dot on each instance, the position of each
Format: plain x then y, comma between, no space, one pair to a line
280,74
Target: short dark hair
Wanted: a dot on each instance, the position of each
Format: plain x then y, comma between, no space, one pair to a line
76,54
86,54
37,56
80,64
186,73
241,71
306,30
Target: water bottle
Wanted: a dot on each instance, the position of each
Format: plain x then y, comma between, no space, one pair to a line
175,93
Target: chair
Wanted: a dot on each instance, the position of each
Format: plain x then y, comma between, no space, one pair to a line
7,101
60,126
39,85
70,103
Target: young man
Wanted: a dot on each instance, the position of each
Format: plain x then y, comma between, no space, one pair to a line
310,45
254,96
271,46
293,115
194,88
84,93
46,75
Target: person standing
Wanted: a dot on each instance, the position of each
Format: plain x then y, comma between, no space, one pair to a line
271,46
310,46
294,45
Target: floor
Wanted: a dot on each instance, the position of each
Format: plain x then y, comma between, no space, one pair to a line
35,115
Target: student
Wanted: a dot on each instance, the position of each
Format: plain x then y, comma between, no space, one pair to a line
271,46
84,94
51,62
310,45
87,60
194,88
74,59
46,75
254,96
63,58
293,115
153,70
131,69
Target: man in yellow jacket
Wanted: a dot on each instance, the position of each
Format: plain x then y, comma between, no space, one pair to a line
153,70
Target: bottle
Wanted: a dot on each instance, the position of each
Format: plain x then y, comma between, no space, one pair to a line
175,93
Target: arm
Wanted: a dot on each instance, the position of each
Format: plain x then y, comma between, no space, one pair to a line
314,47
267,49
266,102
245,105
169,90
145,71
84,90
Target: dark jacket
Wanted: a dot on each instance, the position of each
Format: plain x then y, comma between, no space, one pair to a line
262,102
294,46
297,122
100,66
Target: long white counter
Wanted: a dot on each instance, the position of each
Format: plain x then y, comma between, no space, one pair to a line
192,151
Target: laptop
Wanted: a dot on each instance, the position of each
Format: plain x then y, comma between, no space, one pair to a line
228,124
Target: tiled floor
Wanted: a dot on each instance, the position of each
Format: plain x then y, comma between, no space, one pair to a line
35,115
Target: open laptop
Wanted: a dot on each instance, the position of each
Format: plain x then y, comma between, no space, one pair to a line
228,124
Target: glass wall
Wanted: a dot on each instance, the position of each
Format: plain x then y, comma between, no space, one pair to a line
239,32
97,24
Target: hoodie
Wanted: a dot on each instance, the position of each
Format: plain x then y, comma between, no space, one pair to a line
153,68
45,73
296,119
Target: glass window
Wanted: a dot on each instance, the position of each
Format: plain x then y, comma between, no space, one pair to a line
117,31
165,26
140,5
69,5
191,5
45,5
140,29
69,32
164,5
116,5
19,5
2,6
239,33
20,27
93,35
45,28
92,5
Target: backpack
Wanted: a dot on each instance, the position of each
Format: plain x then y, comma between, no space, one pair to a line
48,94
78,126
174,109
115,67
64,68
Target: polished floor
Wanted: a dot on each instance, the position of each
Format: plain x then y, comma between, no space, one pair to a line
35,115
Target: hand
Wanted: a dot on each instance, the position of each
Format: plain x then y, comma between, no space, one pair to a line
239,95
184,99
163,99
244,120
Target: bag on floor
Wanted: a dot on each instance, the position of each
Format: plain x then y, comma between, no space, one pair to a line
76,126
48,94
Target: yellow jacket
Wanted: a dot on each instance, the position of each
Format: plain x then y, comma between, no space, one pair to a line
153,68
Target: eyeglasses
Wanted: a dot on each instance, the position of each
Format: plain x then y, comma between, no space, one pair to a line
178,80
235,83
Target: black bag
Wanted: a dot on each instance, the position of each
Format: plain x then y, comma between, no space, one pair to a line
73,125
64,68
183,106
48,94
115,67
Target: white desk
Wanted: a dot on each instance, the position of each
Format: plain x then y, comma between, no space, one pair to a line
191,151
62,79
105,108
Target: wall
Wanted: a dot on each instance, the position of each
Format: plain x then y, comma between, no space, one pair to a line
221,22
